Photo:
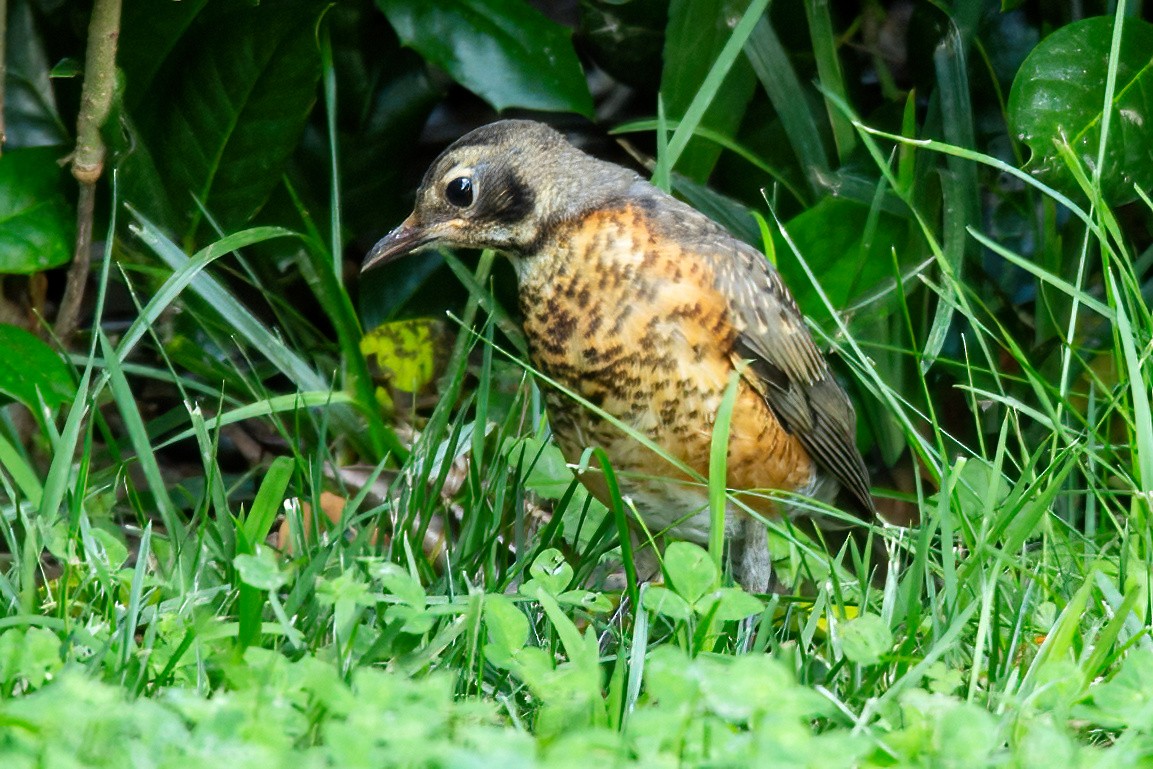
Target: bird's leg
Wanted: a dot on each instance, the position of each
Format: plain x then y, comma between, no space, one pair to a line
752,563
646,558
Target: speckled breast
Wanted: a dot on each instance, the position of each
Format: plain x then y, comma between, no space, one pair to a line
634,325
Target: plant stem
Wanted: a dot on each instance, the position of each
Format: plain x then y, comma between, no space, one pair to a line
3,66
88,159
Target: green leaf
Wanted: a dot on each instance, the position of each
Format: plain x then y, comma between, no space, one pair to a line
507,626
30,115
551,571
1059,95
585,599
115,554
661,600
548,473
979,481
691,571
268,500
36,222
32,655
625,39
1127,699
505,51
150,33
865,638
412,620
233,106
41,373
733,604
400,583
832,238
261,571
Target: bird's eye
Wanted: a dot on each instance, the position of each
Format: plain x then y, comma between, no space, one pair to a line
458,192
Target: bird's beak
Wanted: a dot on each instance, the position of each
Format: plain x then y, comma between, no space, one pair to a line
408,237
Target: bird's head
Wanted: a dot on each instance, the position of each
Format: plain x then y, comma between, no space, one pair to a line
501,187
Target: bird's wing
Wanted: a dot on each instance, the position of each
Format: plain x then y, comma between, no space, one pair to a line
786,367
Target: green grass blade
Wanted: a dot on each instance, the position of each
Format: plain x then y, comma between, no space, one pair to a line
771,64
959,183
1140,384
328,77
138,436
712,83
25,478
246,325
829,72
58,482
258,522
276,404
718,471
131,619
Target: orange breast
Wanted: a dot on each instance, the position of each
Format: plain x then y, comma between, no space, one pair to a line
635,325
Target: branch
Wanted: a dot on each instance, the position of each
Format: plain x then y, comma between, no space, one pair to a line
88,159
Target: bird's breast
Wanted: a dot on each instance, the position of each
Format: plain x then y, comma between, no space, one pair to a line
633,324
625,319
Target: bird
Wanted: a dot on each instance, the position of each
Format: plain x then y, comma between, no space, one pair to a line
645,308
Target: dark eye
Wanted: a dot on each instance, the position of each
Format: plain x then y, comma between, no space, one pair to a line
459,192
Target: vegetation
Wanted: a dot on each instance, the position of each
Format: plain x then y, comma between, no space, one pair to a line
234,527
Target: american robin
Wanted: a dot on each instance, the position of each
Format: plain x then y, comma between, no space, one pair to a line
645,307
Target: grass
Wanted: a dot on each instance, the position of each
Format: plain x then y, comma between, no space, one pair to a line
441,619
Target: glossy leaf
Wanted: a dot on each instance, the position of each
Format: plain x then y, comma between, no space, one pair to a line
42,374
36,222
384,96
230,109
150,35
30,115
1059,95
831,238
625,38
505,51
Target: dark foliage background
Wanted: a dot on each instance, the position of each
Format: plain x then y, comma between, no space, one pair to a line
930,179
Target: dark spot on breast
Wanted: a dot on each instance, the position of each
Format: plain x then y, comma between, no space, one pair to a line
562,325
690,311
622,316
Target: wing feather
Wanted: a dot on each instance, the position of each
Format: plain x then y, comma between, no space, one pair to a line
786,366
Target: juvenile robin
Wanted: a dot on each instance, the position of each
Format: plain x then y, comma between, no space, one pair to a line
645,307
